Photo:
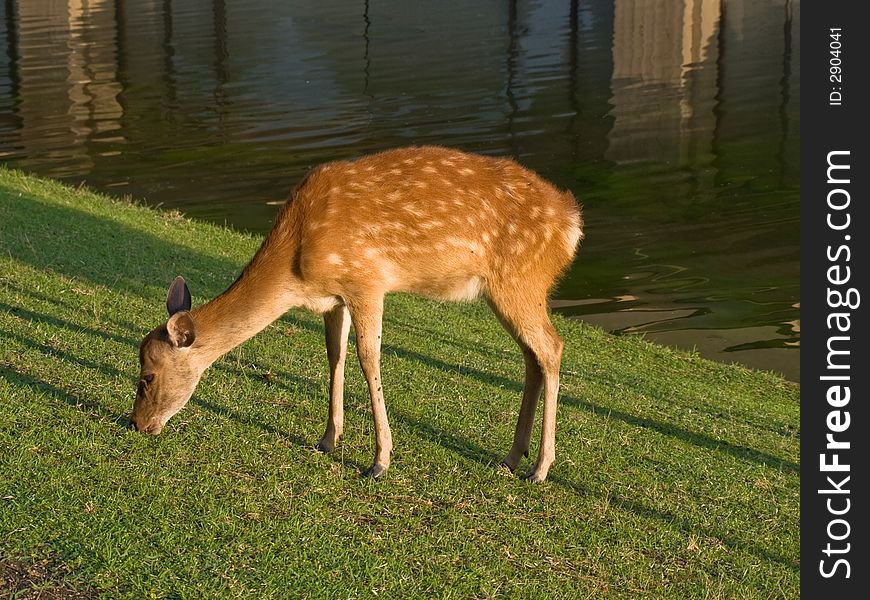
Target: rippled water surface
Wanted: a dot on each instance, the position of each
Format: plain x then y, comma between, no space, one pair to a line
675,122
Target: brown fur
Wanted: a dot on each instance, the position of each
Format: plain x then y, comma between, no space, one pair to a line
427,220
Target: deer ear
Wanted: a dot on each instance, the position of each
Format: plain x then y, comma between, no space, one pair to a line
178,298
181,329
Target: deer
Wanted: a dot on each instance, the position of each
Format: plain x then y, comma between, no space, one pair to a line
426,220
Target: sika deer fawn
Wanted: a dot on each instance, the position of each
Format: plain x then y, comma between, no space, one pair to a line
428,220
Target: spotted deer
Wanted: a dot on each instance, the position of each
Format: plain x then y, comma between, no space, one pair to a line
425,220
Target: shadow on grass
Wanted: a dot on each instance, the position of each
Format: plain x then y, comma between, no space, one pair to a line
280,378
63,324
101,251
297,440
698,439
236,416
475,453
69,306
680,523
91,407
61,354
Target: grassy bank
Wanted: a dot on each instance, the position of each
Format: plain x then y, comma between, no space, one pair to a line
675,476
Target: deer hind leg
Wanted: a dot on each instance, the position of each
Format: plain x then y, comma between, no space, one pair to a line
337,325
530,325
367,318
532,387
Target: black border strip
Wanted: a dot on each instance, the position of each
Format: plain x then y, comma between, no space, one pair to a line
835,300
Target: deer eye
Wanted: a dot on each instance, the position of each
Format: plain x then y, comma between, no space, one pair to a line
147,379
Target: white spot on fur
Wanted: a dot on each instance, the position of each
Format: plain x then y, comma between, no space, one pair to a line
334,259
466,171
573,234
411,209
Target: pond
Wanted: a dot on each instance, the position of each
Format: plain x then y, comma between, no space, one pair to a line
674,122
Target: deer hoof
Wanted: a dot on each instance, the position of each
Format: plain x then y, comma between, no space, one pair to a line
324,446
534,477
375,471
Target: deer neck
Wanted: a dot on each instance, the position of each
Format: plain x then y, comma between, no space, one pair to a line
265,290
242,311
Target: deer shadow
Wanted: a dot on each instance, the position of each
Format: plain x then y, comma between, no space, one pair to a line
474,452
101,251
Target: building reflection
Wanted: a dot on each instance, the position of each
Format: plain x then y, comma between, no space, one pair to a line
664,80
681,70
89,74
66,79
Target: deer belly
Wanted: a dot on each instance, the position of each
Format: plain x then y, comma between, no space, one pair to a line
458,289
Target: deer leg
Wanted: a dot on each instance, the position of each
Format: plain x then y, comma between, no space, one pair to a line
525,317
367,321
337,325
548,347
532,387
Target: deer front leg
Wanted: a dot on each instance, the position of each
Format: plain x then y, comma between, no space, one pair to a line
367,317
337,325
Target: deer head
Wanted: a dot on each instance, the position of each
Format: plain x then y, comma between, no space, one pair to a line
168,375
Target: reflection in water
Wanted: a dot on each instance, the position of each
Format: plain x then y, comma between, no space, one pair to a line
664,72
674,121
63,106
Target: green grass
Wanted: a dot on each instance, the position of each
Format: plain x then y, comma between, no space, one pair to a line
675,477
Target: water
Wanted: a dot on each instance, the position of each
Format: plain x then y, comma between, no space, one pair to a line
675,122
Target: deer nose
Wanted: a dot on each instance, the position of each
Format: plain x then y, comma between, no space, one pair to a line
132,425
